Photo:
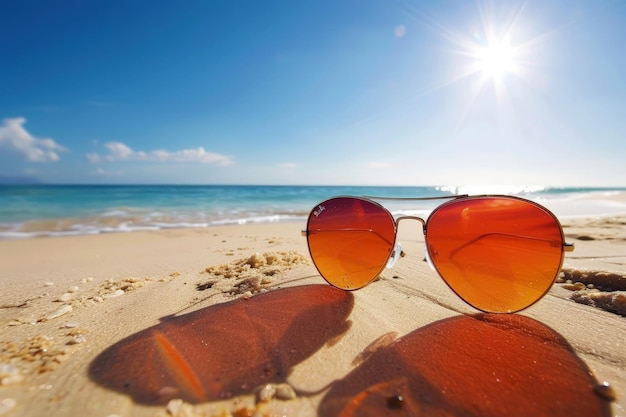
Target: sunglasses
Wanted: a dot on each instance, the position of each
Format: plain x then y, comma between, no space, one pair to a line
500,254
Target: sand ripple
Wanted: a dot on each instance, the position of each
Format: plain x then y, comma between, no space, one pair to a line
601,289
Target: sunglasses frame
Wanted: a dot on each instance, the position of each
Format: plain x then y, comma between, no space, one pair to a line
566,247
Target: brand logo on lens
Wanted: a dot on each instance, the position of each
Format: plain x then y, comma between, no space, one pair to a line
319,210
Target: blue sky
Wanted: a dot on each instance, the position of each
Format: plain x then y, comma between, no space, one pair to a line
381,92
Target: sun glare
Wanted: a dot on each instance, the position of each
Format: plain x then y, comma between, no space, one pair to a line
495,52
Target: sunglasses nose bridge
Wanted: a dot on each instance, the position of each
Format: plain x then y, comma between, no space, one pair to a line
419,219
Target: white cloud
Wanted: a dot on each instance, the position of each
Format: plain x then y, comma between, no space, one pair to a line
119,151
287,165
13,135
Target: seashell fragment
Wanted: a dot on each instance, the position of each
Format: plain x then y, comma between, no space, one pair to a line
174,406
179,408
605,391
284,391
266,392
395,402
7,405
579,286
10,374
114,294
13,379
79,338
65,297
63,310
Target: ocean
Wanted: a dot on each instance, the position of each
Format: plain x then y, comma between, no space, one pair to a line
57,210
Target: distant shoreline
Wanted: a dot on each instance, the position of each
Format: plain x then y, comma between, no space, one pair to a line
58,210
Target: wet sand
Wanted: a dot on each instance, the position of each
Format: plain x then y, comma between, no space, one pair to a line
235,321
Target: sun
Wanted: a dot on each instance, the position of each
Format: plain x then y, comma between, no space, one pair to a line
494,55
496,59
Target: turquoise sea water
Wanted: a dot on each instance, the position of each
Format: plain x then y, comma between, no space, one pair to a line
52,210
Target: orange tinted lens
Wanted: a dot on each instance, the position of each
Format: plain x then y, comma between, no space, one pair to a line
499,254
350,240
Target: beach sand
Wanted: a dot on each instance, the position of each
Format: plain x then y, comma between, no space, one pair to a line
235,321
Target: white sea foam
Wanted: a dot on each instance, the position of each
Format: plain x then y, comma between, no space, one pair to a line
275,218
115,213
93,226
180,225
591,204
478,189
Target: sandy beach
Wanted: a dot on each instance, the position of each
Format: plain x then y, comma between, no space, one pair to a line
162,165
235,321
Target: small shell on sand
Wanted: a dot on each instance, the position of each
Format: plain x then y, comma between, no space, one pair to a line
174,406
579,286
79,338
266,392
282,391
114,294
65,297
179,408
13,379
10,374
63,310
285,392
605,391
6,405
